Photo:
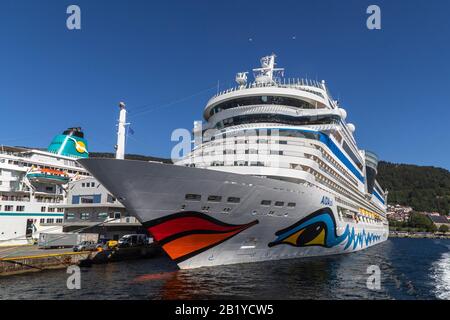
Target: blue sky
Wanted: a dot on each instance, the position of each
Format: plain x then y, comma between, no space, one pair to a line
169,55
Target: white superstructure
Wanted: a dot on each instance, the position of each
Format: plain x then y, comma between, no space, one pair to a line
33,183
288,129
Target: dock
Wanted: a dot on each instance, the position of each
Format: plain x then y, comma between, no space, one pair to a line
24,262
17,260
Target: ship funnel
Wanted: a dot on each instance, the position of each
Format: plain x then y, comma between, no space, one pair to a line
371,169
70,143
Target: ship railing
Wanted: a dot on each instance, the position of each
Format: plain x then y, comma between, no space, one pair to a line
290,83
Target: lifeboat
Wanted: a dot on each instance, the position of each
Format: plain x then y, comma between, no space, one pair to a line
50,176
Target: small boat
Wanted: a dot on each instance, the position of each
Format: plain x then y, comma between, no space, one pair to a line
48,176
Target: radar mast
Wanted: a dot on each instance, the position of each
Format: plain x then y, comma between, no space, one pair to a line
267,74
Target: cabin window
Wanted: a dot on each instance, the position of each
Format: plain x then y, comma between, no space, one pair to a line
279,203
233,200
291,204
214,198
70,216
266,202
193,197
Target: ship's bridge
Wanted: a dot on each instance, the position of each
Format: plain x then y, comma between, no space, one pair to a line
299,93
270,88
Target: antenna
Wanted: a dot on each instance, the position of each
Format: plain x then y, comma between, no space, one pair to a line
267,72
241,79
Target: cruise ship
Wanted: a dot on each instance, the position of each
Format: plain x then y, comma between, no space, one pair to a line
275,173
32,184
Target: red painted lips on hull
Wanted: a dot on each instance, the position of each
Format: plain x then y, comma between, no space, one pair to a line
186,234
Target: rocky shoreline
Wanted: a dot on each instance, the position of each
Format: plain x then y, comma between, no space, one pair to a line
429,235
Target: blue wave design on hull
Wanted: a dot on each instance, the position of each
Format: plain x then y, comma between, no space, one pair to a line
320,229
360,238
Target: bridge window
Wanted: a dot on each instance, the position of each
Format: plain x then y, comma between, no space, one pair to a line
258,100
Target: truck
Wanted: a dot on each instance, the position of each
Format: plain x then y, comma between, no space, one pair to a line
64,240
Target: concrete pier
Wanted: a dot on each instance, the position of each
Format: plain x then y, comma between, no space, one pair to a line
16,260
43,261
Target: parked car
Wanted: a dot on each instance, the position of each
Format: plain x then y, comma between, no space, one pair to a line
85,246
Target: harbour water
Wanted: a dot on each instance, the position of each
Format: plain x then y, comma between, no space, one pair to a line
410,269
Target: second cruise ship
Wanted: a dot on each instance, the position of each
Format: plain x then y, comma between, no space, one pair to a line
275,173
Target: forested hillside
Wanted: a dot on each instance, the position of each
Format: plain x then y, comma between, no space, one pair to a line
422,188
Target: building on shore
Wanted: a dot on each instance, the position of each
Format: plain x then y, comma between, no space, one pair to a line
91,208
439,220
398,212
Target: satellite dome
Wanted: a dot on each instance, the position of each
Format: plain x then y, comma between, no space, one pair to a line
343,113
351,127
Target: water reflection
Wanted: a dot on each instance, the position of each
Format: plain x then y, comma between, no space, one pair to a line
410,269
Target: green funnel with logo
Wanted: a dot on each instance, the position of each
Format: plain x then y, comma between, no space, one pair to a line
70,143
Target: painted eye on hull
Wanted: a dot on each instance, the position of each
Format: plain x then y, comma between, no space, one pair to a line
319,229
311,235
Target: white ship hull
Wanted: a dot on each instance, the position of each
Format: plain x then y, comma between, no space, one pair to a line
198,232
15,227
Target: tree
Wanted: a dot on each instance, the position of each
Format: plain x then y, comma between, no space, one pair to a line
417,220
443,228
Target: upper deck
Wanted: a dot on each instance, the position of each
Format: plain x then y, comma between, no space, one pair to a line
270,83
311,91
